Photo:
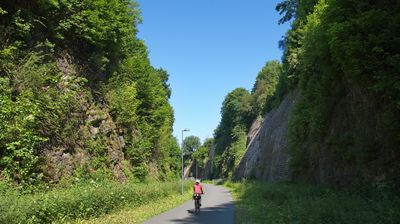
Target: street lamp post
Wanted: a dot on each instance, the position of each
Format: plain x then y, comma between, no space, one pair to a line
182,161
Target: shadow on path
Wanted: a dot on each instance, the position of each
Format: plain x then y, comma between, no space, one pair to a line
218,207
210,215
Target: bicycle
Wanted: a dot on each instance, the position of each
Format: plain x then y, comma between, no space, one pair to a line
196,198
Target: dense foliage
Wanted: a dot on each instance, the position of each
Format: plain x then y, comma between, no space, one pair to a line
201,153
347,64
344,57
264,88
238,111
235,119
191,144
76,85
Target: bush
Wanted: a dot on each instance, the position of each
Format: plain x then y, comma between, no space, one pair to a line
81,200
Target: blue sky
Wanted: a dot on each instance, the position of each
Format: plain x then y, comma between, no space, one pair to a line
209,48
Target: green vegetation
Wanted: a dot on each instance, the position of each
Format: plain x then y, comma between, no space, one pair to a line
34,112
235,120
343,55
258,202
343,58
190,145
141,213
201,154
196,154
238,111
79,100
264,88
83,199
79,95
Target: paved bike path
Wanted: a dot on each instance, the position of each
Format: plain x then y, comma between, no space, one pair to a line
217,207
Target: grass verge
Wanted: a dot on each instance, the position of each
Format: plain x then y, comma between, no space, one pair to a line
141,213
293,203
81,201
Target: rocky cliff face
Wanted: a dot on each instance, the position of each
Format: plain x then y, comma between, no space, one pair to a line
359,144
96,142
266,157
209,165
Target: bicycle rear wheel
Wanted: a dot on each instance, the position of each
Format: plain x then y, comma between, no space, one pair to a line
197,206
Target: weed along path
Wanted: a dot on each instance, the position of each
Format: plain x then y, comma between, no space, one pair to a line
217,207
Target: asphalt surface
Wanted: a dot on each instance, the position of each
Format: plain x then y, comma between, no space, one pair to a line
217,207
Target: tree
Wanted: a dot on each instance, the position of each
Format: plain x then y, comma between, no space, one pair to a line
61,60
190,144
288,9
264,87
344,55
235,112
201,154
235,117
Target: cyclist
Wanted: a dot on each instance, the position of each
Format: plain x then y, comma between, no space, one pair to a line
198,189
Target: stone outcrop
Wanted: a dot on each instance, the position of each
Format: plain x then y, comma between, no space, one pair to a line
98,130
209,165
96,135
266,155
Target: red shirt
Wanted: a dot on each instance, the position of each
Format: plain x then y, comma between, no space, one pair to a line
198,189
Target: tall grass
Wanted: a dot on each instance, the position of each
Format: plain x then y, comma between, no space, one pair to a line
80,201
292,203
140,213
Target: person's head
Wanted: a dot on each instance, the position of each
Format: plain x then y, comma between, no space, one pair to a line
197,181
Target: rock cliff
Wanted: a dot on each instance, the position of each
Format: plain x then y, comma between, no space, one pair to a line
266,157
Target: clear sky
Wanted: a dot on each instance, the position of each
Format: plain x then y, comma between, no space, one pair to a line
209,48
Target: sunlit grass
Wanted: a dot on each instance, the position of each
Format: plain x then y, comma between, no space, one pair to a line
293,203
143,212
83,201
